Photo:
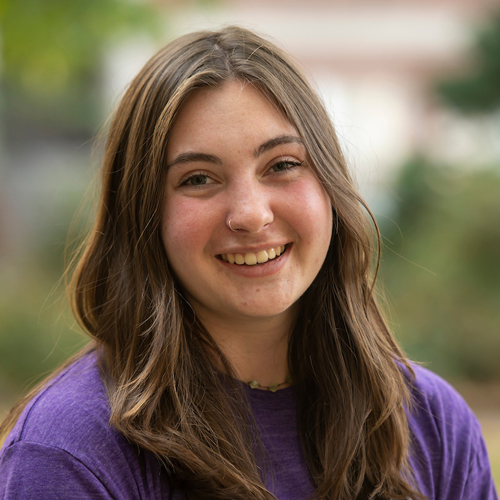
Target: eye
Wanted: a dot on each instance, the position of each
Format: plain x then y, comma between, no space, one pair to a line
285,165
196,180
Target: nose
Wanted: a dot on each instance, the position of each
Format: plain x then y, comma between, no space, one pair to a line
249,207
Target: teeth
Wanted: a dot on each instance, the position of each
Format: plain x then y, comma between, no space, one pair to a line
250,259
262,257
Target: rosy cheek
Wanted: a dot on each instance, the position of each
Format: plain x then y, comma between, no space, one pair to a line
172,225
311,204
184,224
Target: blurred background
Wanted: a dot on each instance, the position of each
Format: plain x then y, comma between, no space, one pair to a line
413,87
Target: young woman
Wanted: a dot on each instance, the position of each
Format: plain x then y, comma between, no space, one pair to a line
238,351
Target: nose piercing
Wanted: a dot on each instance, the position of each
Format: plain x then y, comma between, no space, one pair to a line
229,224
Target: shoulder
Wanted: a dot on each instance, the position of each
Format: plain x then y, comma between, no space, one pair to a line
440,420
67,411
435,398
449,455
63,440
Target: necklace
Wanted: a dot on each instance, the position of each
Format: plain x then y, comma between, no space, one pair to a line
254,384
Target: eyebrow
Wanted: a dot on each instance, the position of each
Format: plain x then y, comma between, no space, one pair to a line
277,141
191,156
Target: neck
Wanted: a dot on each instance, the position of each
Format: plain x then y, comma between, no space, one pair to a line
256,348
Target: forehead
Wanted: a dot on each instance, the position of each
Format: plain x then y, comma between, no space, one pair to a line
234,111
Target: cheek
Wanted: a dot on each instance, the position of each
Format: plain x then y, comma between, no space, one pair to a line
312,212
182,228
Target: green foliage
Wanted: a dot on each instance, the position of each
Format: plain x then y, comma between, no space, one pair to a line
479,90
451,315
51,58
440,268
50,69
48,45
35,335
37,331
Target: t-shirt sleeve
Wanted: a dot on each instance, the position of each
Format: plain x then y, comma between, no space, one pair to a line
32,471
465,471
63,447
449,453
479,484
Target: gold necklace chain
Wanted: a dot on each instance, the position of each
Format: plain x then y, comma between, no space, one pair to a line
254,384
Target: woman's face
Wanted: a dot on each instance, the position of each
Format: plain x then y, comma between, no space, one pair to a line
232,156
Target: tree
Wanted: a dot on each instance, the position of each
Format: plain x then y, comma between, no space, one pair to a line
51,57
479,90
440,268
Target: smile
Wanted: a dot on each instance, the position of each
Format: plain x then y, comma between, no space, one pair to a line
251,258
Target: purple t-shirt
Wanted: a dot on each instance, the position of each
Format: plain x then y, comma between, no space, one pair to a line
62,447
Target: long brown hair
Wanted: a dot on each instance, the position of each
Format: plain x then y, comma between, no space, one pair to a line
157,359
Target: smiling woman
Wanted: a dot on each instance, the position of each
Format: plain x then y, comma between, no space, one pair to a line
238,351
242,162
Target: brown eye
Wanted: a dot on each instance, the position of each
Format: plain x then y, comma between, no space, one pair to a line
283,166
196,180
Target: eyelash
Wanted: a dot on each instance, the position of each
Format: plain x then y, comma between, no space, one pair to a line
288,163
193,176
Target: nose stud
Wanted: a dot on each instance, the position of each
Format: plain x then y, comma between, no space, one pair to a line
229,224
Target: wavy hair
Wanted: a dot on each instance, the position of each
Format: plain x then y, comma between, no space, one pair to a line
157,359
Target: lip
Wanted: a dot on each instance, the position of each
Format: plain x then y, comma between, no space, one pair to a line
269,268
